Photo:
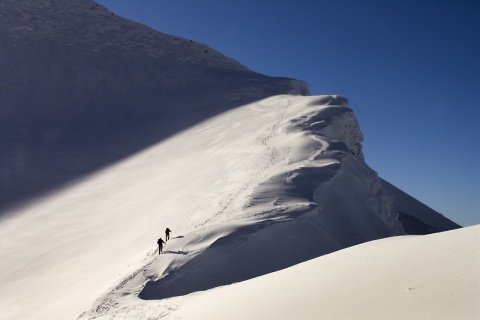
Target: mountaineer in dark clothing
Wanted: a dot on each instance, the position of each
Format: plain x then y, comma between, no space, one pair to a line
160,245
167,234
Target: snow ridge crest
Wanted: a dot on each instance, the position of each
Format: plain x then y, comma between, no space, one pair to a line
317,149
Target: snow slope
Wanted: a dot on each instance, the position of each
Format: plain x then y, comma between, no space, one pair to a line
111,132
411,277
81,88
415,277
251,191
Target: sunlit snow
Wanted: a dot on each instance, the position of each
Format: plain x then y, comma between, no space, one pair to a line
112,132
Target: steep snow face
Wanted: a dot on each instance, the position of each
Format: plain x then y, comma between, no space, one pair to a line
293,186
326,153
248,184
308,193
250,191
77,81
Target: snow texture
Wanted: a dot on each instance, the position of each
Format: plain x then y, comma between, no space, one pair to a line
82,88
111,132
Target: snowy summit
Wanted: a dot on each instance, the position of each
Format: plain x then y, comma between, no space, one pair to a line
112,132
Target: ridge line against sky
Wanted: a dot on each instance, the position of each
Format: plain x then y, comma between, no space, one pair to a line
410,70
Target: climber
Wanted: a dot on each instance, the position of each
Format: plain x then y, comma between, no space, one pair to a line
160,245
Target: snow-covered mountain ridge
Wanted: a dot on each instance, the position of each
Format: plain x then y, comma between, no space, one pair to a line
120,131
76,82
291,190
248,192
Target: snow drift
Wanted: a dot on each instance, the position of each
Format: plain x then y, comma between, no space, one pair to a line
431,277
112,131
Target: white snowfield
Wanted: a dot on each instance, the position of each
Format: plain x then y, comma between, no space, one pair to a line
411,277
249,192
111,132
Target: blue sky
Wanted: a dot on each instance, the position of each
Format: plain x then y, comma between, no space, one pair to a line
411,70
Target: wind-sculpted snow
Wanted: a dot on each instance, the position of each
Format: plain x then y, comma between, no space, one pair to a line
298,191
293,186
314,149
125,131
251,191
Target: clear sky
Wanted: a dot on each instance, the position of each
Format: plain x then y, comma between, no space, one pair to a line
411,70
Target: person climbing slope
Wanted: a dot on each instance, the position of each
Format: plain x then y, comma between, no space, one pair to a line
160,245
167,234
